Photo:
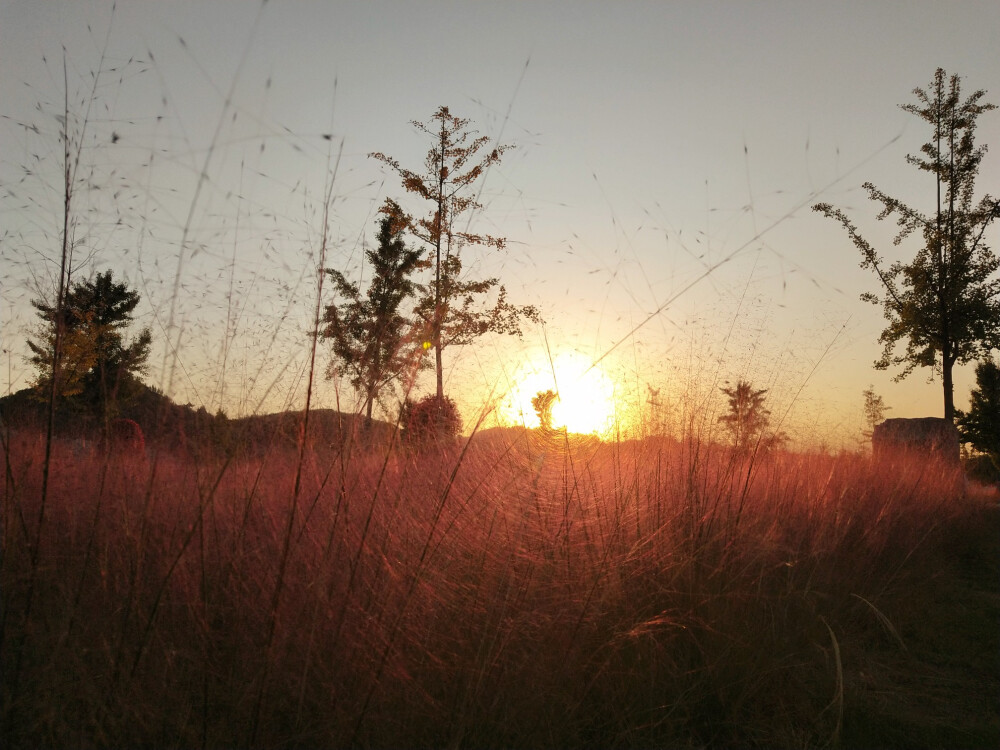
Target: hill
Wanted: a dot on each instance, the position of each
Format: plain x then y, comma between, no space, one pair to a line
171,426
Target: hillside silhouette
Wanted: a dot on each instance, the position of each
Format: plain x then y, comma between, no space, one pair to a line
169,426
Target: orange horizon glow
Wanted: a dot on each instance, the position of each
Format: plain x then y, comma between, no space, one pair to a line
585,396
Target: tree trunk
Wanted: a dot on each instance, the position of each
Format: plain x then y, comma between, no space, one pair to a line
949,389
436,333
438,231
440,370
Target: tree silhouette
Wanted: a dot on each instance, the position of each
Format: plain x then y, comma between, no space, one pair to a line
451,309
542,402
875,410
980,426
97,370
747,418
371,338
945,302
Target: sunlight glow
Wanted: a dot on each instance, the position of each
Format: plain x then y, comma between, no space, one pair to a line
586,402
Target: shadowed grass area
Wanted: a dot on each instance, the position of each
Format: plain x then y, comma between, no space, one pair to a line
652,593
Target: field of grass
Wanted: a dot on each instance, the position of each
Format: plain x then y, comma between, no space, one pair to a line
226,587
502,592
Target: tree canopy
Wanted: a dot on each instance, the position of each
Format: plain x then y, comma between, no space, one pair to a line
372,339
747,418
945,303
96,369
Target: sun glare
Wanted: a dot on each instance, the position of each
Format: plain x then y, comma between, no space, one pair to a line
586,402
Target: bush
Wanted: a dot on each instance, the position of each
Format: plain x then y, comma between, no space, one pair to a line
430,419
983,469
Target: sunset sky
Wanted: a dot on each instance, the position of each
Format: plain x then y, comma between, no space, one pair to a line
667,156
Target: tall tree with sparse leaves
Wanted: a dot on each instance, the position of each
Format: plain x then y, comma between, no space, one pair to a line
372,339
452,308
945,303
98,370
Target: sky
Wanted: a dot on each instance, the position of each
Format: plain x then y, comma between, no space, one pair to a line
656,203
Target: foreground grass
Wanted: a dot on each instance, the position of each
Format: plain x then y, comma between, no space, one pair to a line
517,594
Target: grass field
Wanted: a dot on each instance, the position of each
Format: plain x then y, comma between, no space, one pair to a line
225,587
503,592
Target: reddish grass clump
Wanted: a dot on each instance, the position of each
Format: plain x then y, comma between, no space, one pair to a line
520,593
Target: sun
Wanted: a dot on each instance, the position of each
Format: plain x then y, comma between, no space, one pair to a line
586,396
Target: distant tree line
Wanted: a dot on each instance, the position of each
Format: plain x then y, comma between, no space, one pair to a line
944,303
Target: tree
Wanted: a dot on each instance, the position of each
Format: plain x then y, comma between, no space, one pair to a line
542,402
370,335
747,418
875,410
77,351
980,426
946,301
451,309
96,370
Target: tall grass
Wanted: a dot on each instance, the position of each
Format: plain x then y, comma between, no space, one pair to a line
654,593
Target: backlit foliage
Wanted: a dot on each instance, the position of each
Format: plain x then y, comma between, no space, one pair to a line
875,410
97,367
543,402
452,308
747,418
945,303
373,340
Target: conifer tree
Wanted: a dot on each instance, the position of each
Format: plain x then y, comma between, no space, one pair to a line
97,370
372,338
747,417
875,410
980,426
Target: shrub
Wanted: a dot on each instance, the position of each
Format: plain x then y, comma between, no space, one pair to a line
430,419
123,436
982,468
